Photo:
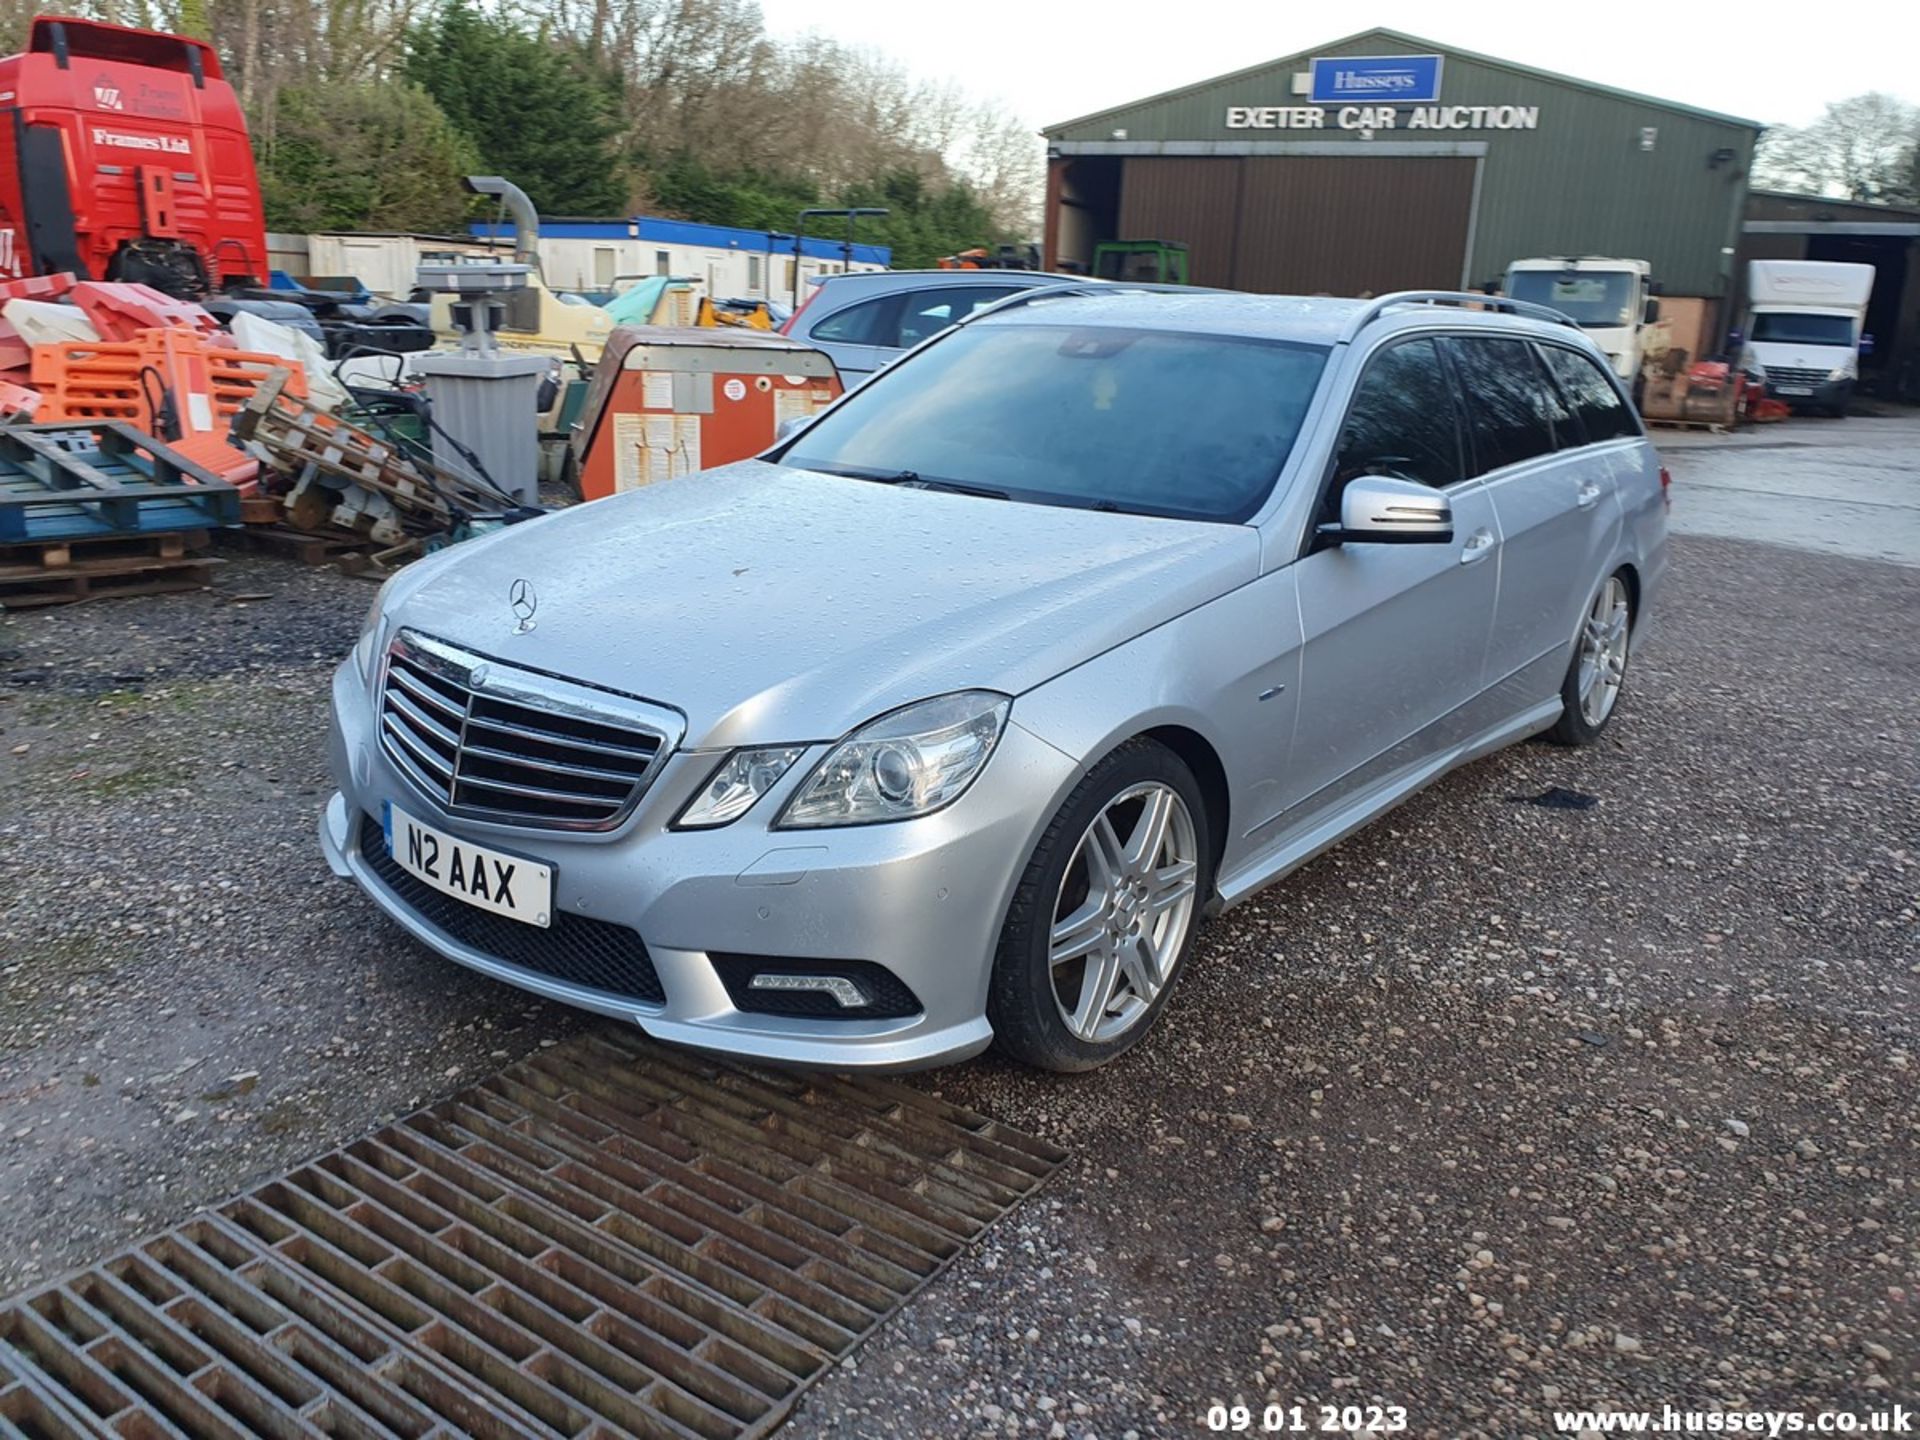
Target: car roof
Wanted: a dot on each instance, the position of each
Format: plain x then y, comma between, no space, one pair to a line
924,279
1315,319
1304,319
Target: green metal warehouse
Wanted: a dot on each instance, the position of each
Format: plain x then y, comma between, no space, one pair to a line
1385,162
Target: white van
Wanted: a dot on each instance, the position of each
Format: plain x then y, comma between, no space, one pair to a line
1609,299
1803,329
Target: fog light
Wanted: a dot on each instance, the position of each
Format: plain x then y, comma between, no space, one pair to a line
847,993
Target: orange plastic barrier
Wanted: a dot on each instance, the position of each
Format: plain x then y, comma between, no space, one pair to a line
121,310
210,451
37,287
17,402
103,380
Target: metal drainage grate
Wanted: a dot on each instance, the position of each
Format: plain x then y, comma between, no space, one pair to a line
608,1239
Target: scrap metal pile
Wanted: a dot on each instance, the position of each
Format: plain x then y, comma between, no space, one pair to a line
342,478
132,424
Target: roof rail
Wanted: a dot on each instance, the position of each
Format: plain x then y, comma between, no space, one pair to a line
1375,309
1089,286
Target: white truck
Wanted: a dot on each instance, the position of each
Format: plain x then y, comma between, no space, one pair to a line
1803,329
1612,300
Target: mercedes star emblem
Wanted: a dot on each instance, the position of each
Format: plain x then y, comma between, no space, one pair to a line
524,601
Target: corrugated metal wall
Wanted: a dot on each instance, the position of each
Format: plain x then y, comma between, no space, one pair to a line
1580,183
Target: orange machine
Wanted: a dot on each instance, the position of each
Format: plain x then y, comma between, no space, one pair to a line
667,401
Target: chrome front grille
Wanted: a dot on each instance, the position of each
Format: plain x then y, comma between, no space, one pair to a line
1791,375
495,742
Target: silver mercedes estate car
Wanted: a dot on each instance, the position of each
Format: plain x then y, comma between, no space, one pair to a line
947,720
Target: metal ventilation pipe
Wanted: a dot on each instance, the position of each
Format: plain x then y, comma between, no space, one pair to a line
526,220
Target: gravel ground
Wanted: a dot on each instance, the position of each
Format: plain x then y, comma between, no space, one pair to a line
188,1000
1501,1105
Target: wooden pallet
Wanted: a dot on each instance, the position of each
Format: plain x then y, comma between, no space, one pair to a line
303,547
37,557
25,589
1717,427
102,478
427,499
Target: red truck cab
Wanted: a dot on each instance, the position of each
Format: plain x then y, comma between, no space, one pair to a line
124,156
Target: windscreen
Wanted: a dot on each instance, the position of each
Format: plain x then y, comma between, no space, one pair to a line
1195,426
1786,329
1593,299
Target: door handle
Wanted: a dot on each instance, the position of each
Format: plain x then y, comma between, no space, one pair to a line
1587,496
1479,545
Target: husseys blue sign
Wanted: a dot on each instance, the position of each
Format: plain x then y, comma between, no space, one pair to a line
1376,79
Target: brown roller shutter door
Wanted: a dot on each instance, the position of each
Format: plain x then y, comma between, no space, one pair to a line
1305,224
1195,201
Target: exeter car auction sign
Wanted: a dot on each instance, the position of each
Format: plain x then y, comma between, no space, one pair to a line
1388,92
1383,117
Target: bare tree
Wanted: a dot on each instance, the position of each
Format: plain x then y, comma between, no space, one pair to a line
1005,159
1860,149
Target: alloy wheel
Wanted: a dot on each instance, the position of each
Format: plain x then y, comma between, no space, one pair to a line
1123,912
1603,651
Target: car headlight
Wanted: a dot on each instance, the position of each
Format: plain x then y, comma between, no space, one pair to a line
908,763
1840,372
364,647
742,778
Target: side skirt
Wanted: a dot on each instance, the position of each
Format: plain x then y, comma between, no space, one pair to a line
1323,831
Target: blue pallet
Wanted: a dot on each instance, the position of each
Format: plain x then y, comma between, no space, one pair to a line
87,479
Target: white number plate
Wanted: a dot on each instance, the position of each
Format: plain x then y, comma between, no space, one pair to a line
1796,389
510,885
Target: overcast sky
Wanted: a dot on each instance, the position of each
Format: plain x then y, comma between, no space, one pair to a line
1052,62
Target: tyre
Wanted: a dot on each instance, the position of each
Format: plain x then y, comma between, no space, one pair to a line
1599,665
1105,913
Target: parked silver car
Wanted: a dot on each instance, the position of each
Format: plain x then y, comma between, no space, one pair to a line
868,319
948,719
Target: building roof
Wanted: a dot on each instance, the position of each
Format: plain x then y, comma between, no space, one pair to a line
1423,46
1786,201
686,232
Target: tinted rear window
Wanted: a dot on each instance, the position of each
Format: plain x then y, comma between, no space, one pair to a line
1196,426
871,322
1588,388
1509,402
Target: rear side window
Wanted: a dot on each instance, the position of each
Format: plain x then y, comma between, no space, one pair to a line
872,322
1401,422
1592,395
1510,404
928,312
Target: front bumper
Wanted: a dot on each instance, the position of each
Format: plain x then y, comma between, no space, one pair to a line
1825,395
924,898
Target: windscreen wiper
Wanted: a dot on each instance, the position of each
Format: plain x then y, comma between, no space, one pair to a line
906,480
914,480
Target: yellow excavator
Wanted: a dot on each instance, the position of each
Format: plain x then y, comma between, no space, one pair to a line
1004,257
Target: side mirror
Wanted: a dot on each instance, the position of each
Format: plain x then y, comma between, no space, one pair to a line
1385,510
789,427
1650,313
